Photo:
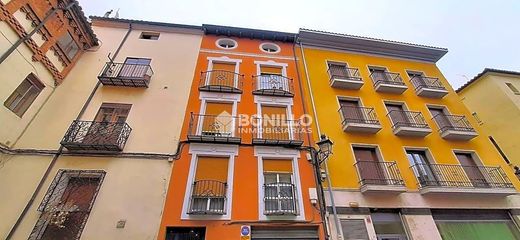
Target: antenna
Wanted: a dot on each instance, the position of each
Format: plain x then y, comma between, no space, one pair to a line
107,14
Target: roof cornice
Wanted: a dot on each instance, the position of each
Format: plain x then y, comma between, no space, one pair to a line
351,43
249,33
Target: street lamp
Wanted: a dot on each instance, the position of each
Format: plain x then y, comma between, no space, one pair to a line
324,148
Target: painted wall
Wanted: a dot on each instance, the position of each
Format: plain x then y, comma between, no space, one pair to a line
341,164
134,189
499,110
245,197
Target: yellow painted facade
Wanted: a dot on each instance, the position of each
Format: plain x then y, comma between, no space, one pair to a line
498,109
390,145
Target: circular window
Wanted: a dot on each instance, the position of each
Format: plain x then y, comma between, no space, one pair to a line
269,48
226,43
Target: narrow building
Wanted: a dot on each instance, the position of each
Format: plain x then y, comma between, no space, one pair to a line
94,159
409,160
243,170
493,98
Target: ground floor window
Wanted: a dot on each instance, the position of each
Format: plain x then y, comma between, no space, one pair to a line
475,225
185,233
388,225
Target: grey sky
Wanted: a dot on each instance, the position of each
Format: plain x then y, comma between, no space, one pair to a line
478,34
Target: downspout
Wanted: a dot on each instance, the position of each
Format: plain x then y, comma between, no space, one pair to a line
36,29
331,195
309,140
60,150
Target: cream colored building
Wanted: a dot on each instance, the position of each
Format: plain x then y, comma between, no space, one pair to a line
109,170
493,97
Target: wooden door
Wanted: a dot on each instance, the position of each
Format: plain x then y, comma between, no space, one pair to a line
370,169
108,124
397,114
472,170
417,79
351,111
440,117
379,75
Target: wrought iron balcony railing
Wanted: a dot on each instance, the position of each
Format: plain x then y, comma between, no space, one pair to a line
273,85
453,122
214,128
379,173
407,119
128,75
343,72
276,131
221,81
208,197
427,82
280,199
96,136
362,115
386,78
458,176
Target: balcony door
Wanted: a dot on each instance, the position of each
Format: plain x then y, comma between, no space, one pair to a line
222,74
279,188
351,111
417,79
472,170
209,188
271,77
397,114
217,120
108,124
135,67
370,169
440,117
422,168
274,123
379,74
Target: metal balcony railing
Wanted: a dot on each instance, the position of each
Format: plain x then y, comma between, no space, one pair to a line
273,85
343,72
221,128
276,131
280,199
208,197
427,82
386,78
407,119
128,75
96,136
379,173
458,176
453,122
221,81
363,115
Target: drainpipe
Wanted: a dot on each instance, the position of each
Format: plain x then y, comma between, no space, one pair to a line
331,195
317,177
36,29
60,150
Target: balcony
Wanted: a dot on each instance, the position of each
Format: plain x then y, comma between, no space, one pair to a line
388,82
345,78
126,75
429,87
451,178
208,197
455,127
359,119
96,136
408,123
273,85
280,199
214,128
269,131
221,81
378,177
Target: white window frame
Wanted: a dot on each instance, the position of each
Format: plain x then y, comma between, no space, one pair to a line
271,63
226,39
224,59
278,50
263,152
206,97
210,150
368,224
275,102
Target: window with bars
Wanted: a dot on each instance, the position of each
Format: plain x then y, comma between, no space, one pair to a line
67,204
24,95
279,187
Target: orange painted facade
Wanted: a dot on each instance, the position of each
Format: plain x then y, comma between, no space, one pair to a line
246,188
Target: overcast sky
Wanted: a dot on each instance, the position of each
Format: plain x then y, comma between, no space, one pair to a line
478,34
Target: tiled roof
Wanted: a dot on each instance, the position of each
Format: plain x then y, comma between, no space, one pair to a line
486,70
